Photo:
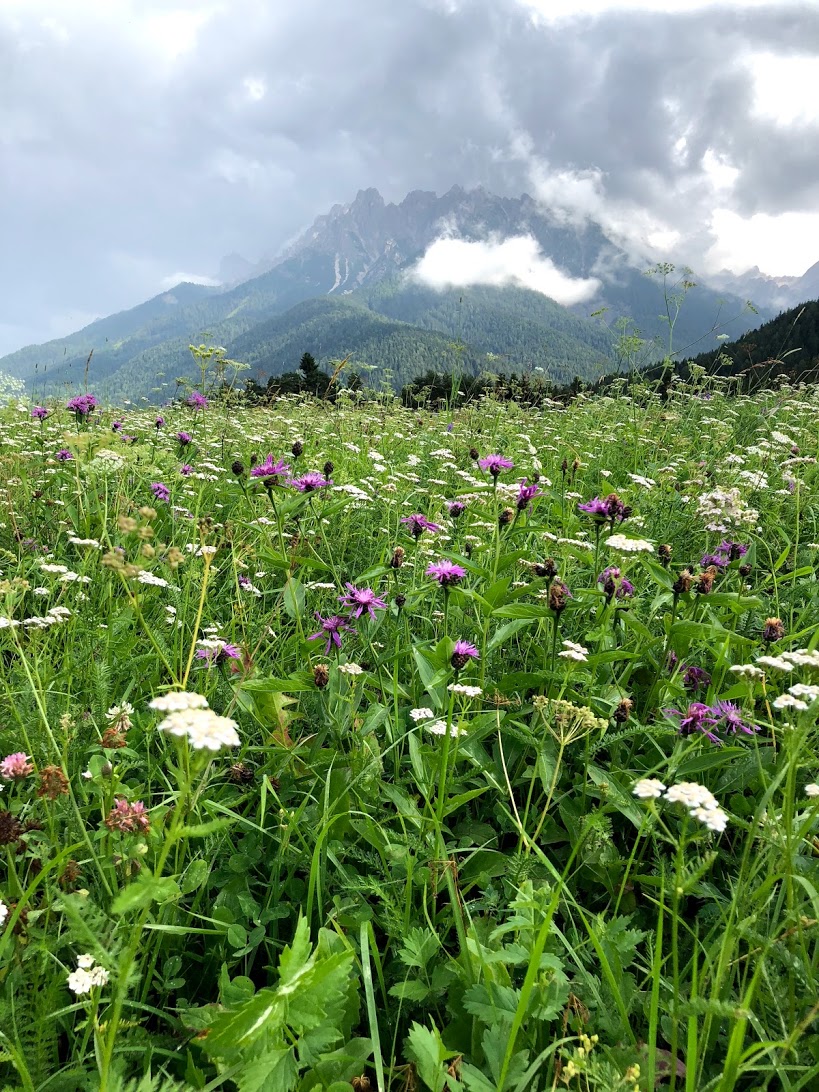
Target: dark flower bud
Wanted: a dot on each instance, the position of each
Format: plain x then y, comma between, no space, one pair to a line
704,583
321,675
683,582
558,593
361,1084
400,600
564,466
468,549
238,468
240,773
474,453
773,630
744,570
664,553
397,559
297,447
106,769
53,782
329,467
623,711
547,570
506,517
254,458
10,828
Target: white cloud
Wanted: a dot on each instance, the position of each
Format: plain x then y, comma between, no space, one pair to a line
494,261
171,281
785,87
555,11
779,245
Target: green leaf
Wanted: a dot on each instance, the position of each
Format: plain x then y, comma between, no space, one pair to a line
425,1047
272,1071
194,876
420,945
410,990
145,890
293,599
296,955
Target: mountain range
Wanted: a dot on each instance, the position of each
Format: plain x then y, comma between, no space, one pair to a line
372,282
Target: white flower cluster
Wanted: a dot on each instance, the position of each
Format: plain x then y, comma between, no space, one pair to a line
724,508
87,975
575,652
467,691
190,718
351,669
629,545
699,801
4,913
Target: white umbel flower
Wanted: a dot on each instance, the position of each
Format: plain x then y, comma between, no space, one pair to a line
467,691
80,982
177,700
629,545
421,714
4,913
648,788
203,729
811,791
438,728
789,701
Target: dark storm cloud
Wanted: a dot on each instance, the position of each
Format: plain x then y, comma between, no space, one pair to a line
121,164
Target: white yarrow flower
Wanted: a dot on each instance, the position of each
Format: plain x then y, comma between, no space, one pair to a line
80,982
351,669
468,691
648,788
85,962
4,913
421,714
629,545
438,728
203,729
747,671
177,700
776,663
811,791
788,701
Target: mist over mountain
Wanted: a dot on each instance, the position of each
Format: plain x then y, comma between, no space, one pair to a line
394,286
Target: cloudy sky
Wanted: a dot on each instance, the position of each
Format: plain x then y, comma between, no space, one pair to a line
142,140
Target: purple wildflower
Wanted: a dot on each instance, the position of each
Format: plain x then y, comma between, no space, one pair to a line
456,508
63,455
269,469
363,599
418,524
159,422
116,426
734,550
309,482
185,470
595,508
696,678
462,653
495,463
720,561
39,413
184,438
331,628
615,584
219,653
450,427
727,714
197,401
160,491
526,494
16,766
697,718
447,573
82,405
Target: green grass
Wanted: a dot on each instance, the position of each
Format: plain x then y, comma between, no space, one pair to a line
377,877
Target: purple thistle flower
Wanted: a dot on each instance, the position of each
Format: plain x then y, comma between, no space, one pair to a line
363,599
269,469
697,718
719,561
595,508
197,401
696,678
615,584
456,508
450,427
221,652
63,455
39,413
726,713
462,653
309,482
418,524
526,494
82,405
159,422
185,470
734,550
160,491
116,426
447,573
331,628
494,464
184,438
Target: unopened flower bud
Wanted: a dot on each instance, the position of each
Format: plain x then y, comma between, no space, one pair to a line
297,447
623,711
321,675
547,570
400,600
329,467
773,630
238,468
744,570
397,559
474,454
506,517
664,553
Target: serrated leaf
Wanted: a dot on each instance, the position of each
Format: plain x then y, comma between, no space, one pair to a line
410,990
426,1048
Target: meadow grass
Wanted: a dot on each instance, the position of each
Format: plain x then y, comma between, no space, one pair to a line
348,745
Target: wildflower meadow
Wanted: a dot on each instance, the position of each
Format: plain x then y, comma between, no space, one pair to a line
348,745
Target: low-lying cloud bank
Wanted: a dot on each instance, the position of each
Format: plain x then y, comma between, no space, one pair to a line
518,260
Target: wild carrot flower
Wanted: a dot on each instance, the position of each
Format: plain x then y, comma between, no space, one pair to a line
269,469
309,482
648,788
418,524
467,691
331,628
358,600
160,491
494,464
16,766
447,573
438,728
462,653
629,545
